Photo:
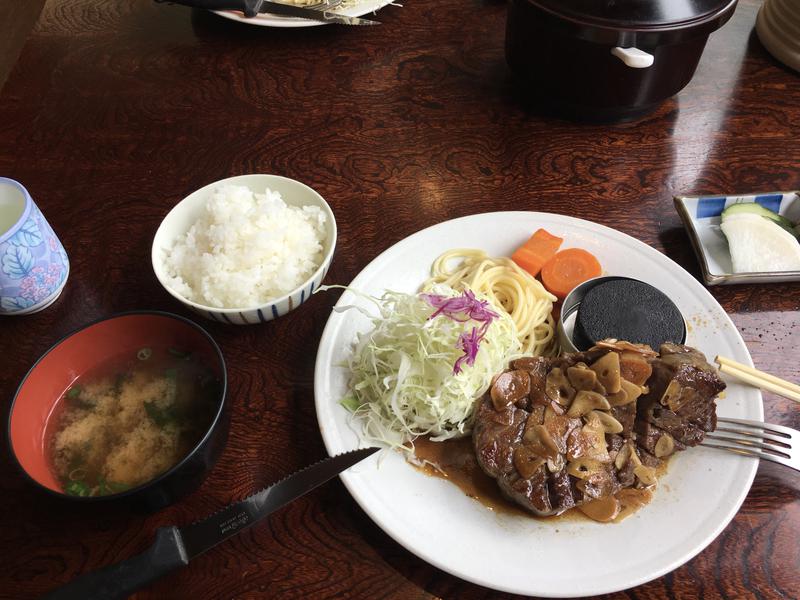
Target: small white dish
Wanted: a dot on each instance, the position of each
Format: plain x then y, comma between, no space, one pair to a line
701,217
184,214
269,20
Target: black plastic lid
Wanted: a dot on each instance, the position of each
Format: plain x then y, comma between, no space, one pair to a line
634,14
628,309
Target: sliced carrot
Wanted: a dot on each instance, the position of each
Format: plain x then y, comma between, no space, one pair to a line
567,269
539,248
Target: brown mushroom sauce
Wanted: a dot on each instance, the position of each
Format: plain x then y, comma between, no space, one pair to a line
590,430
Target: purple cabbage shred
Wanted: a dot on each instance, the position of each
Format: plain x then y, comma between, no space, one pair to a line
464,308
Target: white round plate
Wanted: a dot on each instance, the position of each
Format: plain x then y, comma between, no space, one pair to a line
362,9
433,519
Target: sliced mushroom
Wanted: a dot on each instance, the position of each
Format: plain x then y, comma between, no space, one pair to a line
539,440
608,423
647,475
632,389
526,461
526,363
607,369
664,446
586,402
588,441
671,394
632,499
623,456
603,510
634,367
558,388
582,378
528,434
559,427
623,346
634,457
678,396
509,387
583,467
628,393
621,398
554,465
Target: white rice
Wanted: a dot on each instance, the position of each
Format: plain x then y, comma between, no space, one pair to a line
246,249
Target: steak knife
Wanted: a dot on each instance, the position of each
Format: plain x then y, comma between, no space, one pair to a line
251,8
175,547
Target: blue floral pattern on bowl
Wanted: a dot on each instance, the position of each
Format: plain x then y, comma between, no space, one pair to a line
33,263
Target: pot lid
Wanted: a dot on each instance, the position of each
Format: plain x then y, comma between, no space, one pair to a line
635,13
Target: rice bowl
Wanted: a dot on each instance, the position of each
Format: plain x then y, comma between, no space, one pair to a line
245,249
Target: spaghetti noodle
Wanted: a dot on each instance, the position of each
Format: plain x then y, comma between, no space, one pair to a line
506,285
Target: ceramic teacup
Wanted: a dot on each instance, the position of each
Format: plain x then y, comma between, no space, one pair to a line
33,263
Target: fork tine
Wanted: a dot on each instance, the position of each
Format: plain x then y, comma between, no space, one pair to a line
781,440
750,444
750,452
739,450
774,443
774,429
753,453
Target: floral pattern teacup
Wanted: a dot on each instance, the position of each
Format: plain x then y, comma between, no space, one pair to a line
33,263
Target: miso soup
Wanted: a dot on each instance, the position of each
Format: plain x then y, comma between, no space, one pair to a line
130,420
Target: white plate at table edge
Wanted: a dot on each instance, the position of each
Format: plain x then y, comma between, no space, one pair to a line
433,519
270,20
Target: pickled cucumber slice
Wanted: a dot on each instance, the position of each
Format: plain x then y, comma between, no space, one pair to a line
762,211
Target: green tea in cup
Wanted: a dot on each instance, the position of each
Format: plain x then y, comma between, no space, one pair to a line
12,205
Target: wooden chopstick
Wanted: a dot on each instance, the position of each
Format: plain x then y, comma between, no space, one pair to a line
759,379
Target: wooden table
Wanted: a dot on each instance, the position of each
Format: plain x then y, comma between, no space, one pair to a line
114,111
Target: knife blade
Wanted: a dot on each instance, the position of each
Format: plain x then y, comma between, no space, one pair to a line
175,547
251,8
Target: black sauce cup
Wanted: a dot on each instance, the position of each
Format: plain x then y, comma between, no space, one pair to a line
647,315
53,374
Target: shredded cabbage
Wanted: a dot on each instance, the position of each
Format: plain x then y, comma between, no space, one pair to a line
407,376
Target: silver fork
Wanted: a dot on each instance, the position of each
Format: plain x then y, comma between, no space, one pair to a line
775,443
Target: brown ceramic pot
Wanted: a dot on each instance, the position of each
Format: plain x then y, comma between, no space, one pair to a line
604,60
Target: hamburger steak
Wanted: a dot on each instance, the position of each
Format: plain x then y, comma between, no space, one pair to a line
559,432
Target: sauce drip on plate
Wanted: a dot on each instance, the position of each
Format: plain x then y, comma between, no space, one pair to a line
454,460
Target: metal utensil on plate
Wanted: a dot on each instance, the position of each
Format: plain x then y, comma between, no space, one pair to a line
252,8
175,547
775,443
323,5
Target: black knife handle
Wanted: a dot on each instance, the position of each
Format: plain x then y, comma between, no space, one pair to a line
120,580
250,8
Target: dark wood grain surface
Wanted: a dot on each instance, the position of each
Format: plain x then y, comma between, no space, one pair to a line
116,110
17,19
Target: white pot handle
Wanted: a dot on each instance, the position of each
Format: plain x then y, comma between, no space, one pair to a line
633,57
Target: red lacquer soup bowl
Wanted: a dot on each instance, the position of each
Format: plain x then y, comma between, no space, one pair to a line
44,389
